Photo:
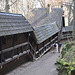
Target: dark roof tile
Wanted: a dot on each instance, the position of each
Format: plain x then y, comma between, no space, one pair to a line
44,32
13,24
41,17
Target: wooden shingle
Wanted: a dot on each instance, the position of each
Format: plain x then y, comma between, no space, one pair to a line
41,17
13,24
46,31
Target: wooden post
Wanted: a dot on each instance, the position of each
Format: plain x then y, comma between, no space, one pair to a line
17,51
1,57
37,50
28,46
74,21
28,41
49,41
21,49
1,49
43,46
28,36
13,45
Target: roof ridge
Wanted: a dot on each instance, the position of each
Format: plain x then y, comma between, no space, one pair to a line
10,14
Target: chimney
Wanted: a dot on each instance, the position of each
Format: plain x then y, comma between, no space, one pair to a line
49,8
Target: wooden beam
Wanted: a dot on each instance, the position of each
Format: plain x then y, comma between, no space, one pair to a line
14,57
13,42
28,37
37,50
46,45
17,52
45,50
15,47
43,44
32,47
49,41
1,49
21,49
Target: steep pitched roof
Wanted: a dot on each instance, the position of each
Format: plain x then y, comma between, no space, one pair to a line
44,18
54,16
36,15
44,32
13,24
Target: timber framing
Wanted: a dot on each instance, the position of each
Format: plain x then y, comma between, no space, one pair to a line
14,37
20,38
45,36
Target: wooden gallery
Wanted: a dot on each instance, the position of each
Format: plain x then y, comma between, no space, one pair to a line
14,31
44,36
18,37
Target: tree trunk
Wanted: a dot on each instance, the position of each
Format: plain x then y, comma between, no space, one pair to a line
74,21
7,6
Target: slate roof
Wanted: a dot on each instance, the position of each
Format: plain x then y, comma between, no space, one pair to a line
13,24
44,18
67,28
44,32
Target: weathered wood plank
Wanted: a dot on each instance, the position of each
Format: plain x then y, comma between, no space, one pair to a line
15,47
44,32
46,45
14,57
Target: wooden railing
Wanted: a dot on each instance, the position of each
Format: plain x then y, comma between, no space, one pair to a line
14,56
15,47
67,35
30,50
46,47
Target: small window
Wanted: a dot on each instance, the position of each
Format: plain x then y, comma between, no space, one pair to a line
3,40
